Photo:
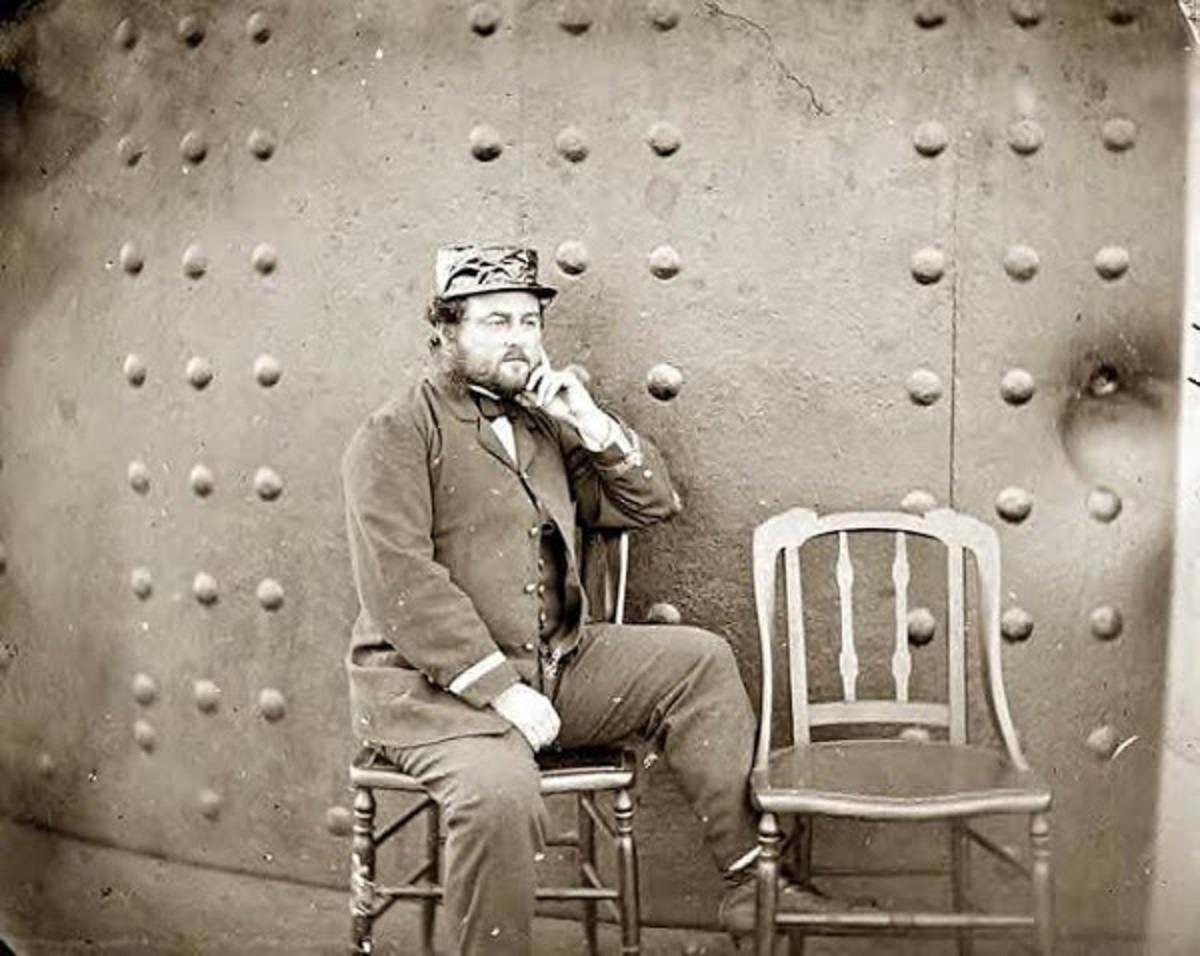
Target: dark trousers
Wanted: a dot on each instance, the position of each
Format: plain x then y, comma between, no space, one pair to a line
678,687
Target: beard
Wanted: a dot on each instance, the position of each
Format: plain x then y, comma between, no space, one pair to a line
503,378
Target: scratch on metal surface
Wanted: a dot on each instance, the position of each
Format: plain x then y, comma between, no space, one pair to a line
715,9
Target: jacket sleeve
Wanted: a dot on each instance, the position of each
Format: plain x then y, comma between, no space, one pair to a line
624,485
408,595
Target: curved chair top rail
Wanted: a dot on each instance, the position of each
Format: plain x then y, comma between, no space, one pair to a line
790,531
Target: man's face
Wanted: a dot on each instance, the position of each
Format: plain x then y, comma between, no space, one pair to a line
498,342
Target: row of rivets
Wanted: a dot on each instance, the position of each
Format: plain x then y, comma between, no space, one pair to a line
1025,136
929,14
191,30
193,147
925,387
574,16
486,143
1021,262
199,371
207,696
264,257
268,485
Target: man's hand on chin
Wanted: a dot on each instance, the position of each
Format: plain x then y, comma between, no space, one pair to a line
530,712
561,394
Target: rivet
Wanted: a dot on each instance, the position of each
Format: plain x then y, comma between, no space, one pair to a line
193,147
258,27
1119,134
339,821
1103,741
918,502
201,480
572,144
270,594
929,13
143,733
1027,13
1016,625
260,144
45,765
267,370
1017,386
207,696
265,258
484,19
1025,136
1112,262
1121,13
664,262
271,704
664,138
572,257
199,371
664,14
145,690
131,258
485,143
190,30
922,626
930,138
267,484
574,17
664,382
126,34
130,150
1107,623
204,587
924,387
662,612
928,265
195,262
1021,262
1014,504
918,735
141,582
1104,504
209,802
139,476
135,370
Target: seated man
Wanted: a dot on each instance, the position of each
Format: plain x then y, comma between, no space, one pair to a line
470,652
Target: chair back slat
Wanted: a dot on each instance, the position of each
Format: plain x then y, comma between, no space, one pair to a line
834,712
848,659
788,532
901,657
798,663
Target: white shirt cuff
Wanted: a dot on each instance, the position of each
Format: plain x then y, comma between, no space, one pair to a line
476,671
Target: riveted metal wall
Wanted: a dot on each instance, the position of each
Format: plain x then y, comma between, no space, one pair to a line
899,253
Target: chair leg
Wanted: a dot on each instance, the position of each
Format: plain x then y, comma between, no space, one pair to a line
769,840
433,856
627,877
362,871
1043,884
802,868
587,855
960,879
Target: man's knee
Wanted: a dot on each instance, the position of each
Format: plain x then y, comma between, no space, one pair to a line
494,793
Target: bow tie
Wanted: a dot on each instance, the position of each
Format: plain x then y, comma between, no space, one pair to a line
492,408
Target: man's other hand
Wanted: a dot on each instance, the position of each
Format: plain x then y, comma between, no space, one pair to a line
530,712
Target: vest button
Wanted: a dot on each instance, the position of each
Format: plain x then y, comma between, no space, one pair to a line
528,645
530,588
534,531
541,589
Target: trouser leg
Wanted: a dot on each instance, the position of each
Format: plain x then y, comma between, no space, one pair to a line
492,810
680,688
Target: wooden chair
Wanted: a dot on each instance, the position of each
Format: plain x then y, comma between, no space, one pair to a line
902,778
584,774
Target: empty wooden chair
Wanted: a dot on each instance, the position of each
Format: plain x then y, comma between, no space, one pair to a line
901,777
586,775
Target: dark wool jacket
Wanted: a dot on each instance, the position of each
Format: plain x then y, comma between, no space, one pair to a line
444,535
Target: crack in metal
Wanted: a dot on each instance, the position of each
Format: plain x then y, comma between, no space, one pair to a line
715,9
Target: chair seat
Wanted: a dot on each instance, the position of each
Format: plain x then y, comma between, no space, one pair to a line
895,780
562,771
